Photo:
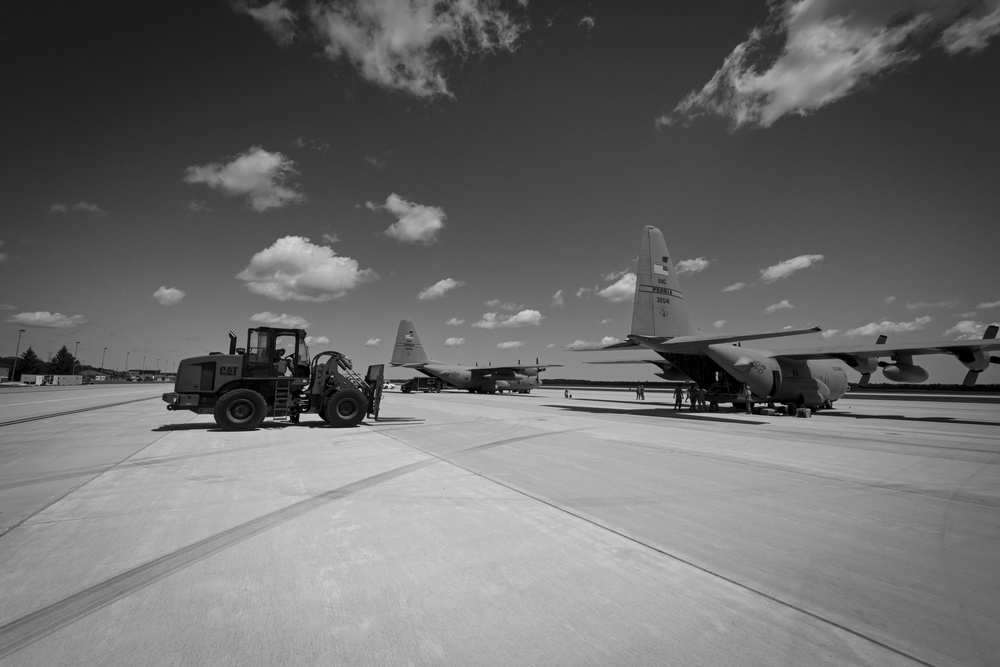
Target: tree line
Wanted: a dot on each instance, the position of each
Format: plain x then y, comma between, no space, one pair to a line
29,363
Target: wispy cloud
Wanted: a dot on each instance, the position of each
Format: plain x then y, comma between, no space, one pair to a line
889,299
521,319
402,46
831,48
621,290
439,289
319,340
966,330
510,344
168,296
589,345
454,342
275,17
692,265
454,322
781,305
3,256
503,305
735,287
58,207
46,320
876,328
292,268
257,174
283,321
788,267
557,299
415,223
718,324
923,305
989,304
586,22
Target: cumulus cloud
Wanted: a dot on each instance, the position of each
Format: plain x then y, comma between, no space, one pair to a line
781,305
373,342
735,287
830,333
503,305
292,268
401,44
439,289
718,324
557,299
923,305
168,296
889,299
79,206
319,340
876,328
621,290
510,344
46,320
589,345
521,319
415,223
283,321
967,330
274,17
454,342
692,265
788,267
454,322
257,174
830,49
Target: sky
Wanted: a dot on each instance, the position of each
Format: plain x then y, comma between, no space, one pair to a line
174,171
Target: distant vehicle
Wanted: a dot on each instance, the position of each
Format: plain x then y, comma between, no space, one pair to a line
426,385
387,386
409,353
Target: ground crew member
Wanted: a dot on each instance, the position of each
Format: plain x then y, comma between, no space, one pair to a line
678,397
747,398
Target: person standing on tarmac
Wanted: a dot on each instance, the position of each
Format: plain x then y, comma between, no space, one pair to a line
701,400
693,397
642,392
678,397
747,398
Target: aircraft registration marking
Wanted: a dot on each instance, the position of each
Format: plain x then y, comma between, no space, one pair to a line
660,290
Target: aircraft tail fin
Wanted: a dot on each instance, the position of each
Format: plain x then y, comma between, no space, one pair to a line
408,351
658,309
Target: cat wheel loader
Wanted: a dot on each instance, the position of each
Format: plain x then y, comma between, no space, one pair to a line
274,376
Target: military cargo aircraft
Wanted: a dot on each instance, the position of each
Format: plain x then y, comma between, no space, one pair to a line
409,353
810,378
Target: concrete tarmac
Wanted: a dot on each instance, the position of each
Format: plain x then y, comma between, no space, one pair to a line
499,530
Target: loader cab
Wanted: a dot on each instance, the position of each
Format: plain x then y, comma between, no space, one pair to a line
276,353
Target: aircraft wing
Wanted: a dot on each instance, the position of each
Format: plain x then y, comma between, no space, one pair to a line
957,348
488,370
668,371
692,344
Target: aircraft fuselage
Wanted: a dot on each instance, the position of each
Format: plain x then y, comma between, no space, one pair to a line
772,378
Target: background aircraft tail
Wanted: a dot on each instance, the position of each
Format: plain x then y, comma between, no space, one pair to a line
658,309
408,350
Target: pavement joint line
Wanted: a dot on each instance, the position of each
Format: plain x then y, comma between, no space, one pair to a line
73,412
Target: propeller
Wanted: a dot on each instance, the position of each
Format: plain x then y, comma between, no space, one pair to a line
865,377
972,376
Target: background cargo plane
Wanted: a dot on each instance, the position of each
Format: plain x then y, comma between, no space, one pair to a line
803,377
409,353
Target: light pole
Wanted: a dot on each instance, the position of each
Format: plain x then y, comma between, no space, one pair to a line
16,350
75,350
126,363
144,368
102,360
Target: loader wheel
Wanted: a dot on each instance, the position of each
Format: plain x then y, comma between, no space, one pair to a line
345,408
240,410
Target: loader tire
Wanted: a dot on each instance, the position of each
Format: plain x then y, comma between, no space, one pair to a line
240,410
345,408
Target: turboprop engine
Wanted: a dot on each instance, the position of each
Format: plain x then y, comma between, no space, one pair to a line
904,372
